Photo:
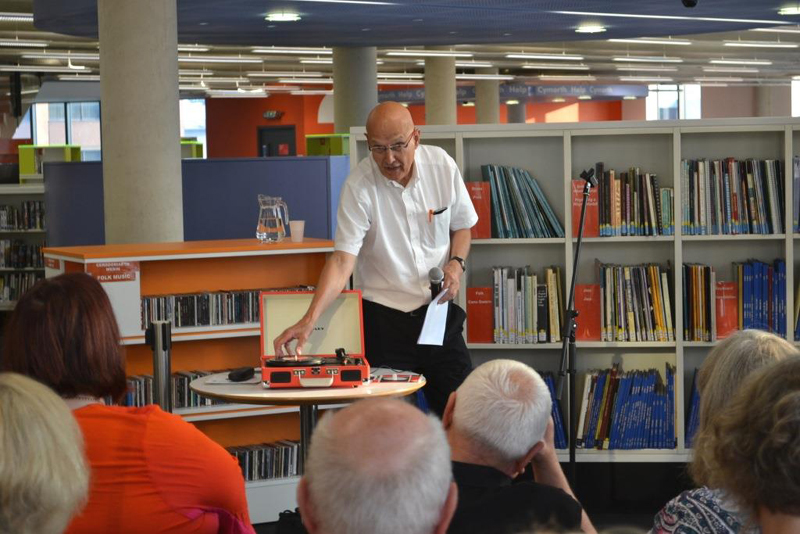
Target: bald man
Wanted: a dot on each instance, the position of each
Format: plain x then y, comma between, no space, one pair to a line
402,211
378,466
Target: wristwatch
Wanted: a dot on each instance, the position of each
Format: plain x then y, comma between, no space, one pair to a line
460,261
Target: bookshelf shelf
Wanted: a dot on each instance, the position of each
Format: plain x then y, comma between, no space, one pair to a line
201,333
235,411
21,269
555,154
21,189
7,305
25,231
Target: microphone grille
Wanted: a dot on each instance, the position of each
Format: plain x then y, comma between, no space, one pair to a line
436,274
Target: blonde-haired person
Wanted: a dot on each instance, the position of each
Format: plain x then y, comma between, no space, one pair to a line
44,478
707,508
752,449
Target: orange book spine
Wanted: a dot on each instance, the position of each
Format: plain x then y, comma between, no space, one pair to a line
480,194
587,303
591,227
727,309
480,315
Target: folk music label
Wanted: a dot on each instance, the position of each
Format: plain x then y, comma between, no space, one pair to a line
115,271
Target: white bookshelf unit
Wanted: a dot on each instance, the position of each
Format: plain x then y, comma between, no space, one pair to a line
555,154
15,195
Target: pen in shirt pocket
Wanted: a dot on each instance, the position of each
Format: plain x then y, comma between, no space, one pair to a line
431,213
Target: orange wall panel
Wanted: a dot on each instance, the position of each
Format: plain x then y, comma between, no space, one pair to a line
251,430
209,354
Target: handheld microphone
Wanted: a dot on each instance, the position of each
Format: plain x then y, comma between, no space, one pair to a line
436,276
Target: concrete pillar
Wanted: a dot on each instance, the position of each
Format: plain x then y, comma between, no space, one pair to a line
773,101
142,187
440,89
487,99
516,113
355,86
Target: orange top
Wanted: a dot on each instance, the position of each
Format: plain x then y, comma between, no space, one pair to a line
181,248
153,472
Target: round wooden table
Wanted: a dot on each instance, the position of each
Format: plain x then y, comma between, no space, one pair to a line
216,386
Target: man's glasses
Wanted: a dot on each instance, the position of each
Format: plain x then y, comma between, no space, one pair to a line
396,148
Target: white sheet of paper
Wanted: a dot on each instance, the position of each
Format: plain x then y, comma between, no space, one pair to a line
435,320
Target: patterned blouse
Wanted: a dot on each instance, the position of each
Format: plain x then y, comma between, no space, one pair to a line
702,511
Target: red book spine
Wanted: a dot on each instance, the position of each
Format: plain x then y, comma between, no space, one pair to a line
727,309
480,194
591,226
587,303
480,315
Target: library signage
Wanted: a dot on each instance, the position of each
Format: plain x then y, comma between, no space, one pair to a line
517,91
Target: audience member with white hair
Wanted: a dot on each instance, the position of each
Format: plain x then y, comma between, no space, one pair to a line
44,477
497,422
378,466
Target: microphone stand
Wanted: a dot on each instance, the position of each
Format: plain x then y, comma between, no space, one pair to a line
568,337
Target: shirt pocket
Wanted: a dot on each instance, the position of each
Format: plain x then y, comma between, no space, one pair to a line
440,229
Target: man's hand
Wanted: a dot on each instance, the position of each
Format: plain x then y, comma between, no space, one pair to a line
547,454
299,331
452,280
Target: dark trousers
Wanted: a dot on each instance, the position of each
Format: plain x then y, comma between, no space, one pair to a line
391,341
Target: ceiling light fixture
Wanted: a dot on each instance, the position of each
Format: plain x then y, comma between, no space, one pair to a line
303,81
760,44
17,43
283,74
403,75
668,17
499,77
776,30
468,104
364,2
646,68
79,77
40,68
473,65
741,70
282,16
789,10
192,48
393,81
576,77
654,40
284,50
558,57
512,102
80,56
559,99
628,97
213,79
219,59
554,66
16,17
590,28
312,92
645,59
317,61
584,97
428,53
718,79
740,62
195,72
644,79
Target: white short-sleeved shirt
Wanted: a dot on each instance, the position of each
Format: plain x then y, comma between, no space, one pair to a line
389,228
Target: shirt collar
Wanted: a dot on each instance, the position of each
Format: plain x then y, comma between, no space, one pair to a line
479,475
391,183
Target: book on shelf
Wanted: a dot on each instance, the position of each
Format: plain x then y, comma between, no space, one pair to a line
627,410
591,225
559,434
727,309
588,304
755,299
731,197
29,215
632,203
140,390
636,303
17,254
525,306
693,418
796,195
480,193
267,461
480,311
519,206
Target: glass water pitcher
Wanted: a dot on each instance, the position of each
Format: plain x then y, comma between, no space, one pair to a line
271,225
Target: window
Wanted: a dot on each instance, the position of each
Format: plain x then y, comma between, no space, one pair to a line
23,131
669,102
193,120
83,128
49,126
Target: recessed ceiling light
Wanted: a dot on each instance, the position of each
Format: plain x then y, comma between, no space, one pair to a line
16,17
39,68
468,104
646,68
512,102
506,34
395,81
554,66
558,57
502,77
202,23
584,97
401,75
740,62
666,17
644,79
282,16
317,61
588,77
776,30
365,29
212,79
790,10
474,65
559,99
19,43
645,59
286,50
192,48
298,74
80,56
219,59
79,77
453,33
760,44
306,80
628,97
404,104
715,79
730,69
428,53
590,28
654,40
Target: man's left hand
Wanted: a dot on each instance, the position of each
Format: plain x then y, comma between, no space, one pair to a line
452,280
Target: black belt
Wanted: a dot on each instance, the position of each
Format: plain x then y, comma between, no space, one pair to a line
419,312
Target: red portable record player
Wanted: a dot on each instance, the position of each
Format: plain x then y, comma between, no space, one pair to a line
333,356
